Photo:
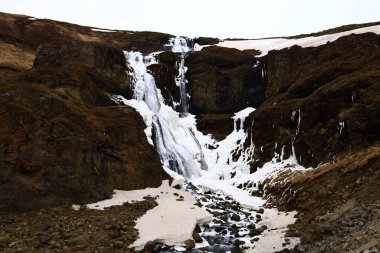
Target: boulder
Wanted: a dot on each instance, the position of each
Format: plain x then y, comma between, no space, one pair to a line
149,247
189,244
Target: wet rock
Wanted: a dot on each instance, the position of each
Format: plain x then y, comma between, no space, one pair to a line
235,217
197,238
251,226
239,242
224,217
219,228
261,210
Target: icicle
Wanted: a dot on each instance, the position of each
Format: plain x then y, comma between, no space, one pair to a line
341,127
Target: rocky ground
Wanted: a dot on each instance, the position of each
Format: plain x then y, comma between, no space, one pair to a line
63,229
357,230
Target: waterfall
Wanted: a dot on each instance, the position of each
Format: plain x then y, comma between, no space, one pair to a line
163,119
182,47
181,82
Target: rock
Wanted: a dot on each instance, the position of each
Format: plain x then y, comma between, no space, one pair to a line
235,217
253,232
218,228
261,228
239,242
261,210
149,247
118,244
197,238
251,226
114,233
224,217
189,244
255,239
44,238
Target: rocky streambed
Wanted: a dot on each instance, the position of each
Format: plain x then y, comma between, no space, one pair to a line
234,227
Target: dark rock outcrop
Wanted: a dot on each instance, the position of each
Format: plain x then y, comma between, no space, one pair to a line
324,100
63,139
165,72
223,80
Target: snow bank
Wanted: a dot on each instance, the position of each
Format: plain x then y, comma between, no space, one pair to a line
273,238
171,222
266,45
226,187
102,30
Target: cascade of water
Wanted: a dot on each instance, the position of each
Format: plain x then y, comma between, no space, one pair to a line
182,47
172,154
181,82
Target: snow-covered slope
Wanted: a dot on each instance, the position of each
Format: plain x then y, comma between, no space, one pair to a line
266,45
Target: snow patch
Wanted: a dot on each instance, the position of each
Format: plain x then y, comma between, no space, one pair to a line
102,30
266,45
171,222
273,238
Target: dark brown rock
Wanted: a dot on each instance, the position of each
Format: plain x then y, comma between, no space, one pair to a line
223,80
189,244
63,135
239,242
197,237
261,228
149,247
235,217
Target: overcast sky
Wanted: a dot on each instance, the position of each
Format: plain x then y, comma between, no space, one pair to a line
217,18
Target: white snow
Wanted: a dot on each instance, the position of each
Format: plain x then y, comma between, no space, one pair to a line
273,238
266,45
102,30
171,222
226,187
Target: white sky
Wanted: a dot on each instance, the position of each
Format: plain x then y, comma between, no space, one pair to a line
213,18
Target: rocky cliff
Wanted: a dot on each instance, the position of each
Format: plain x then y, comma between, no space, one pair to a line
62,137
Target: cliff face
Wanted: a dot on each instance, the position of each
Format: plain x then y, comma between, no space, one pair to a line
321,100
332,89
62,137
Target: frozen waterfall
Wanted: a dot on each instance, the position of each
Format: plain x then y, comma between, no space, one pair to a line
163,120
182,47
